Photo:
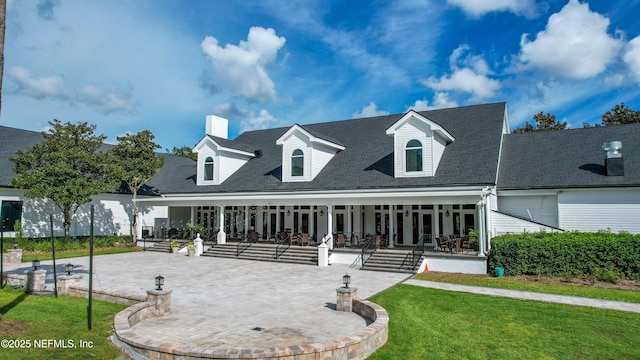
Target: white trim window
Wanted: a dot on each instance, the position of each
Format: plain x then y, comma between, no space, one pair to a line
413,156
297,163
208,169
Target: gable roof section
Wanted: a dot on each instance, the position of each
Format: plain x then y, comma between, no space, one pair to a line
227,145
314,137
367,160
568,158
414,114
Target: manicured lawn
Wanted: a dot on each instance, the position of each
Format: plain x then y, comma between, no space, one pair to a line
64,254
516,284
436,324
48,320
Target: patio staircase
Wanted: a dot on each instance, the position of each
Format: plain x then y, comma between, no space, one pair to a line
392,261
163,246
307,255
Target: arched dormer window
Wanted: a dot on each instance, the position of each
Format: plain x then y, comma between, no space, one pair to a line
413,156
297,163
208,168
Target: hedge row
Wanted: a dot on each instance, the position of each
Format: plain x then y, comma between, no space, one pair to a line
567,254
74,243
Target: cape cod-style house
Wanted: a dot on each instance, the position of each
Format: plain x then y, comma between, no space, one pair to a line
410,178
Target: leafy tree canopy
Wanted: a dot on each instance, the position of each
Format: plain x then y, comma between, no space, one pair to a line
67,167
544,122
135,164
183,151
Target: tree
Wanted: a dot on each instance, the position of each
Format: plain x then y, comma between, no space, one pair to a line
136,163
544,122
620,115
66,168
184,151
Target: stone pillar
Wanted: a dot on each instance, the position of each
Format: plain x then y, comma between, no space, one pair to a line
35,280
345,298
64,281
13,256
323,255
161,300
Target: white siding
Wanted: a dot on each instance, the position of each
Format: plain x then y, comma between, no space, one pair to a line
111,216
227,164
321,155
543,208
439,144
418,130
296,141
203,154
503,224
600,209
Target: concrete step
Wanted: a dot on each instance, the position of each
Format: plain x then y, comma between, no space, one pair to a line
392,262
265,252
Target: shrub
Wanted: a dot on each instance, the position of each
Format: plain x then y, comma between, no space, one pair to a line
567,254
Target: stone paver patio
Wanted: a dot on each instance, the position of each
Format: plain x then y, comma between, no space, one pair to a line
217,302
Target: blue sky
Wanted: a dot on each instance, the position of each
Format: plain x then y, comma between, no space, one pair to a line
163,65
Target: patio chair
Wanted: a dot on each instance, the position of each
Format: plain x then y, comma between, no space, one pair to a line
304,239
466,243
378,241
254,236
341,241
443,244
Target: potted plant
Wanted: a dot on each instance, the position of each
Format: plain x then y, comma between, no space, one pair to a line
473,238
175,246
191,248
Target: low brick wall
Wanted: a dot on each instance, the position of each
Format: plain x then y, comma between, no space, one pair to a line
357,346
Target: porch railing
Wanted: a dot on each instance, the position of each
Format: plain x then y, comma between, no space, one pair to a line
368,249
415,255
241,247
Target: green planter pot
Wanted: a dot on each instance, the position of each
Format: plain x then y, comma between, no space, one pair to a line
499,271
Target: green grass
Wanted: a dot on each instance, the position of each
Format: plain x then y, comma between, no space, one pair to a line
435,324
534,286
30,318
64,254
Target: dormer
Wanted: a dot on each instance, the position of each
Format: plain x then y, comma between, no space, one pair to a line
219,158
418,145
305,153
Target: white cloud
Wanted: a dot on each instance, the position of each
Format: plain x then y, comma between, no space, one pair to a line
107,98
248,120
477,8
469,74
632,56
242,68
440,101
50,86
574,45
370,110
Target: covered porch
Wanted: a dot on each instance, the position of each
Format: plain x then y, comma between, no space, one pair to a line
440,219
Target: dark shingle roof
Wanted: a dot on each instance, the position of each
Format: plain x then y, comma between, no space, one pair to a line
367,161
567,158
12,140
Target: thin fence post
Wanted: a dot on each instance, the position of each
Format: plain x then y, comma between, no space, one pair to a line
53,253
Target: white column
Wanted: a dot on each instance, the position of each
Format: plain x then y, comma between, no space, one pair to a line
330,225
436,225
481,230
246,220
311,222
222,237
391,225
349,225
487,219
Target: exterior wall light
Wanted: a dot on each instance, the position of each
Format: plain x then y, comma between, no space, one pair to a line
36,264
446,213
346,280
159,282
68,268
